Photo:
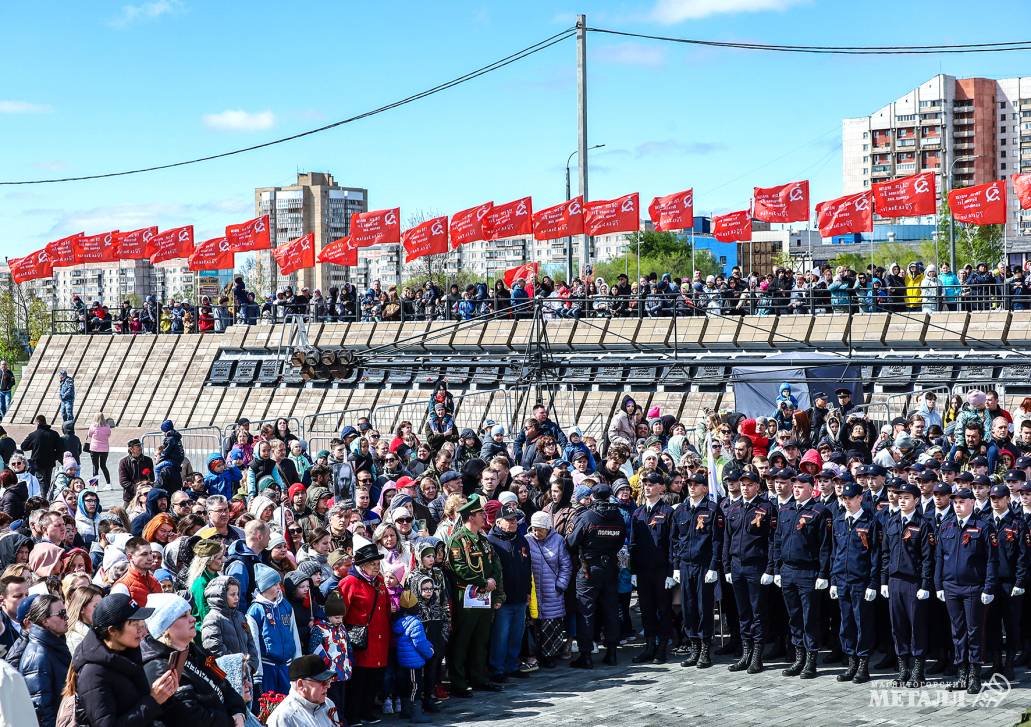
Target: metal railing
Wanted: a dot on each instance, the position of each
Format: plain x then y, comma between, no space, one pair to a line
292,422
198,443
322,427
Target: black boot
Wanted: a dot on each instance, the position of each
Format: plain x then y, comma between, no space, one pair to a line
974,679
853,664
731,647
704,660
417,716
692,653
648,654
756,664
902,676
746,657
582,662
917,677
796,668
962,681
661,652
862,671
809,670
610,657
1007,666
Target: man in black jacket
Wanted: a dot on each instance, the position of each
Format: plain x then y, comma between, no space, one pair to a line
6,388
546,426
46,447
134,467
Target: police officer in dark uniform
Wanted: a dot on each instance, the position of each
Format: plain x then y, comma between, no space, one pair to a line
729,621
595,541
801,566
1006,609
875,494
855,575
875,499
1014,479
696,542
751,525
940,512
649,560
776,628
966,563
907,566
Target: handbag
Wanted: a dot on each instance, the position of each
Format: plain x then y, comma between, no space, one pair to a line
358,634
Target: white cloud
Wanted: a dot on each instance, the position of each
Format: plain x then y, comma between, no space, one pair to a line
23,107
668,147
144,12
237,120
632,54
676,11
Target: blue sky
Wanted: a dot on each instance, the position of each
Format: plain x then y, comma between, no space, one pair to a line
103,86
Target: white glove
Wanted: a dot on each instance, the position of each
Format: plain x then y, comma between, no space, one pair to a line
884,591
940,595
670,582
729,578
987,598
1017,591
766,579
870,594
710,576
676,575
922,595
834,593
821,584
633,581
776,581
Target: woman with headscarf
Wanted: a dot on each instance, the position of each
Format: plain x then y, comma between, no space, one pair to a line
300,461
87,516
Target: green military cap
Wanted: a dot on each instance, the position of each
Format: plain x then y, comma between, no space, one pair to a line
472,507
207,548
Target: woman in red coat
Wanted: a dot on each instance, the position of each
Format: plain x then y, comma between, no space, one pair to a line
368,603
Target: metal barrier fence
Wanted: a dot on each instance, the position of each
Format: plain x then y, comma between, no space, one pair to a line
292,422
319,429
198,443
471,411
900,405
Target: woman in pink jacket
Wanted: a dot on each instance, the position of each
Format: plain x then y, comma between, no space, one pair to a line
99,441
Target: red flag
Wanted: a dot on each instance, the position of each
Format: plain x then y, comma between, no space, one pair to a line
604,216
296,254
467,225
340,252
525,272
427,238
509,219
33,266
62,252
907,197
984,204
96,248
732,227
674,211
213,254
374,228
562,220
786,203
851,213
171,244
133,245
1022,186
250,235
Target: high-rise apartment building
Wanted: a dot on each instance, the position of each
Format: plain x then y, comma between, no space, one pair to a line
967,131
316,204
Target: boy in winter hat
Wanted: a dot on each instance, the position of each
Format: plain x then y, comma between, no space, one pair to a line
271,620
329,641
413,651
576,444
224,629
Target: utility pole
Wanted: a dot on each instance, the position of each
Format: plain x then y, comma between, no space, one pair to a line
581,96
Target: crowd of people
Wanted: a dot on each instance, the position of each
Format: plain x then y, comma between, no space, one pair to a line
826,289
396,570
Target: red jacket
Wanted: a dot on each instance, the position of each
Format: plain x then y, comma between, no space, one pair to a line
760,444
358,595
140,585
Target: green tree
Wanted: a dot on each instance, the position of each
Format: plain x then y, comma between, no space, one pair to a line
974,243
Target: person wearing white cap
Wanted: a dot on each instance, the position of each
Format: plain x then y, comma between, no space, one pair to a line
204,696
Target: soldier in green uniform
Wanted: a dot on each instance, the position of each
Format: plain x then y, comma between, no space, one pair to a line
473,561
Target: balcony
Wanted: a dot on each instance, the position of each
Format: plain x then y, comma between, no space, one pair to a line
931,141
936,168
930,122
931,108
968,146
908,122
905,168
964,135
883,149
963,120
908,142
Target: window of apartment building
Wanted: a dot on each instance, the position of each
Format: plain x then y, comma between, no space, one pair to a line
1002,129
1002,104
866,170
866,147
1003,154
1003,166
866,182
866,134
906,117
1002,142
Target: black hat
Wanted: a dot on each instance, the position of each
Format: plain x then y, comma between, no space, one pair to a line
867,469
804,478
944,488
1026,487
908,489
654,478
1022,462
365,551
842,390
965,477
731,474
786,473
979,461
699,479
826,474
963,493
820,395
511,511
601,492
898,420
928,477
915,467
134,443
948,467
933,464
894,483
851,489
310,667
999,491
983,480
1015,476
749,474
116,609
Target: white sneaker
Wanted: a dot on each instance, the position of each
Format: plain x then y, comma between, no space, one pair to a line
595,649
575,648
388,706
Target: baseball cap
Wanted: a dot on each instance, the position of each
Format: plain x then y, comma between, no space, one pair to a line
310,667
601,492
1015,476
928,477
944,488
851,489
1023,462
404,481
949,467
999,491
114,610
908,489
979,461
965,477
804,478
963,493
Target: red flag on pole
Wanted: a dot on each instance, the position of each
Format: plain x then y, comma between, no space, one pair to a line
467,225
33,266
1022,186
673,212
250,235
296,254
213,254
133,245
844,215
906,197
605,216
339,252
732,227
62,252
509,219
171,244
786,203
563,220
375,228
96,248
525,272
427,238
984,204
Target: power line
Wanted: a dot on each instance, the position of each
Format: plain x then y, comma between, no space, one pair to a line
834,49
482,71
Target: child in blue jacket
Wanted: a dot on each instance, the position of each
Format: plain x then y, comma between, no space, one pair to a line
413,651
220,479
